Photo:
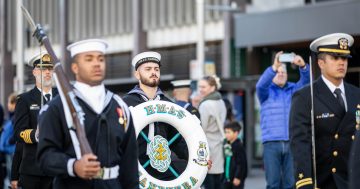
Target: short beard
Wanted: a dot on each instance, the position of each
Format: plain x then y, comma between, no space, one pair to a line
149,82
45,83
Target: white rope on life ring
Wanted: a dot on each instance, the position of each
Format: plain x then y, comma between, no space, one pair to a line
189,127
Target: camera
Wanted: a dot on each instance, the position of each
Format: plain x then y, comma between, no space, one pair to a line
287,57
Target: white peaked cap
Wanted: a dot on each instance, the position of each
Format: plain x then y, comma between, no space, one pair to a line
330,39
36,57
87,45
181,83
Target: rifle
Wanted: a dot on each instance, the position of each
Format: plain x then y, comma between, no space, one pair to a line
73,112
312,125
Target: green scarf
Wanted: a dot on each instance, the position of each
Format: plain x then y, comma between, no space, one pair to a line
212,96
228,154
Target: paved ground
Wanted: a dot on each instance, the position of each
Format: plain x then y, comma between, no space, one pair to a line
256,179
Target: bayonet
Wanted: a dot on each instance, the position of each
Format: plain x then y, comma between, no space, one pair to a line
28,18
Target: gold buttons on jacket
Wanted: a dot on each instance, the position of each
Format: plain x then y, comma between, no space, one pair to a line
333,170
335,153
336,136
353,137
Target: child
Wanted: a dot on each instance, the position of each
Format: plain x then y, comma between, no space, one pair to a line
235,158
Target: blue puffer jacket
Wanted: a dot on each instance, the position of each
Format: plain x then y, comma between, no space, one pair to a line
275,104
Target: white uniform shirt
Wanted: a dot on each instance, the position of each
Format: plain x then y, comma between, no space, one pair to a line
332,88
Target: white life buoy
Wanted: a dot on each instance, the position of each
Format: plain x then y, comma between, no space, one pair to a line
189,127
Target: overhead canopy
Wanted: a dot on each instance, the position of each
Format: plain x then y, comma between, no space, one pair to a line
297,24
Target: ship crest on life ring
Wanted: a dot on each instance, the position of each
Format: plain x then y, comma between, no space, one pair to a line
202,154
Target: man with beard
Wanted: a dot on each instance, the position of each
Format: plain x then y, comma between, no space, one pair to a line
25,122
147,71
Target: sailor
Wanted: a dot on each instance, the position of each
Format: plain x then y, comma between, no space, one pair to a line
108,127
181,93
147,72
335,103
26,120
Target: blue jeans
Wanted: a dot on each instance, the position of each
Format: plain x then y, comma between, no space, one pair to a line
278,165
8,159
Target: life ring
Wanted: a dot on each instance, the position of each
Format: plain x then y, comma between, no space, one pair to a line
189,127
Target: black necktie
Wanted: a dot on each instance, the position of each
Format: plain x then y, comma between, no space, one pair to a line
48,96
339,97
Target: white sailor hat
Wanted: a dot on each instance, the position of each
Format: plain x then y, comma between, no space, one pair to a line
145,57
181,83
336,44
87,46
41,59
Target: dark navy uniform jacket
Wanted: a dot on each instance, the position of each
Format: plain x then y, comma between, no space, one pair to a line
334,134
354,171
16,161
25,124
112,142
188,107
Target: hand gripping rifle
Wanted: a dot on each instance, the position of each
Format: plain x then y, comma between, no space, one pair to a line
73,112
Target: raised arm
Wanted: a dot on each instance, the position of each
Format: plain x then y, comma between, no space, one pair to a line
264,83
304,70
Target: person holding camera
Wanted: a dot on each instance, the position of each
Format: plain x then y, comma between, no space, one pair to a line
274,93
